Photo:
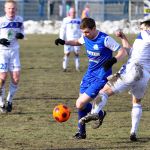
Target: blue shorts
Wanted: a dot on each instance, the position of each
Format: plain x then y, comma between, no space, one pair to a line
91,84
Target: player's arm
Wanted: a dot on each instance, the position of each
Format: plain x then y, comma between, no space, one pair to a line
20,34
71,42
123,38
62,32
114,46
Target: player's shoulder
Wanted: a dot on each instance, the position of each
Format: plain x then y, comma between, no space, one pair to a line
19,18
144,34
66,19
2,18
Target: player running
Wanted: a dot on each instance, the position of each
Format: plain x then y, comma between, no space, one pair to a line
133,76
11,29
99,48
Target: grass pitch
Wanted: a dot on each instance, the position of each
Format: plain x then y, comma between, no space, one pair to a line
43,85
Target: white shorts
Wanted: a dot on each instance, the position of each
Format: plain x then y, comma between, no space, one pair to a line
132,77
9,60
68,49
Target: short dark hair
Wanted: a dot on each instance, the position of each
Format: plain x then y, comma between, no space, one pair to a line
146,23
87,23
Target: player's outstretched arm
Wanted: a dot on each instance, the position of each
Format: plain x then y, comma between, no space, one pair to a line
71,42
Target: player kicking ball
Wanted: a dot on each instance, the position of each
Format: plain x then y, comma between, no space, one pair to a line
133,76
99,48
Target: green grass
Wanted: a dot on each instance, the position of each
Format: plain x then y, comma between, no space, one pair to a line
43,85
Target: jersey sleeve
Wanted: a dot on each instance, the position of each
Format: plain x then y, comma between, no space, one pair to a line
110,43
22,26
81,40
146,35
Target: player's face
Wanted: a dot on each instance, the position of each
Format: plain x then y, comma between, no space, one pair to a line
142,27
10,10
72,13
89,33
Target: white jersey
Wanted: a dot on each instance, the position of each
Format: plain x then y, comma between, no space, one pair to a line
70,29
135,74
141,50
8,30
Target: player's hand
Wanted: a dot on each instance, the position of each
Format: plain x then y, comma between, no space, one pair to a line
4,42
59,41
119,33
19,36
109,63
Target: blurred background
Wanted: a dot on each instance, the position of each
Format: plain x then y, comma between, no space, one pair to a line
100,10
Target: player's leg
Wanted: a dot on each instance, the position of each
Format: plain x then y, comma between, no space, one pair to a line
77,58
14,68
3,76
136,116
13,87
83,107
66,57
4,57
81,134
138,91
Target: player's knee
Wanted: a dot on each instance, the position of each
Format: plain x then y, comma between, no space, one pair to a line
67,55
136,101
15,81
79,105
2,82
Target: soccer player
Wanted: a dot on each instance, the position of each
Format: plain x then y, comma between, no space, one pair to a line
11,29
99,48
70,30
133,76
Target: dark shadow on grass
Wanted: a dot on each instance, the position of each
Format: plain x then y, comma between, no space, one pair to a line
140,140
46,98
74,149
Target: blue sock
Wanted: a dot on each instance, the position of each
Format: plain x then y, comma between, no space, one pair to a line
82,113
101,113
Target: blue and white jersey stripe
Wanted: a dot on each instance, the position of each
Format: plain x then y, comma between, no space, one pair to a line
99,49
8,30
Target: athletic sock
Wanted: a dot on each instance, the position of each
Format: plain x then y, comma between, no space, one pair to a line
12,90
136,116
82,113
77,62
2,92
65,62
99,106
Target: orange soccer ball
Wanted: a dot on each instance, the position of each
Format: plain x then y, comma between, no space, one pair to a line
61,113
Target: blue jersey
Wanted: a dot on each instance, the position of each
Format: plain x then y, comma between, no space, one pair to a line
98,51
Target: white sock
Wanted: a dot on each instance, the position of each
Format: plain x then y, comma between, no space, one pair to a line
12,90
2,103
77,62
65,62
136,116
97,106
